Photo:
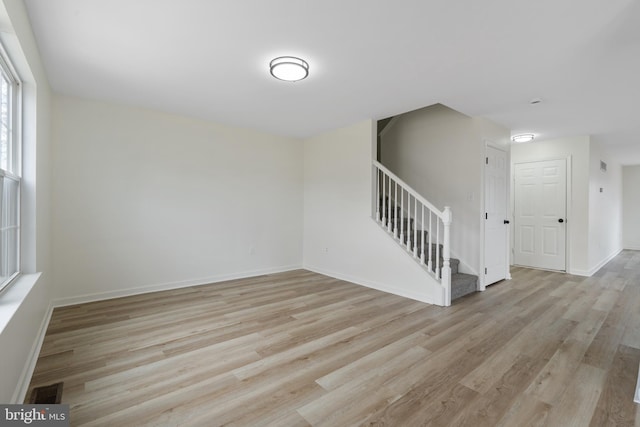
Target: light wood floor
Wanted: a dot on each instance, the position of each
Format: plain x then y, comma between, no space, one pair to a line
299,349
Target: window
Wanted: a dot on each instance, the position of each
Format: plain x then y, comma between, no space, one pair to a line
9,173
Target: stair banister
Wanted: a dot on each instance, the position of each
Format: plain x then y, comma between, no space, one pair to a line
391,223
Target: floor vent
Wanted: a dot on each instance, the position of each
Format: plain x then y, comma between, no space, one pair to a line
49,394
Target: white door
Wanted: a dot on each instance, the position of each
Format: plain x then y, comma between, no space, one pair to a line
495,224
540,214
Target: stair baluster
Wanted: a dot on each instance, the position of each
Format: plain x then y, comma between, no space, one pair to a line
415,230
422,236
408,229
395,213
430,257
382,200
402,215
378,195
446,268
438,249
389,206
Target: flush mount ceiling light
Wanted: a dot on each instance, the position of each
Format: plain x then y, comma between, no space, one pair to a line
289,68
525,137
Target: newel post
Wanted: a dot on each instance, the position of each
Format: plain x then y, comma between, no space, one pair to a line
446,255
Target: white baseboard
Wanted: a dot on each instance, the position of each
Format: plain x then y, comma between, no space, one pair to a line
27,372
594,270
583,273
632,247
100,296
376,285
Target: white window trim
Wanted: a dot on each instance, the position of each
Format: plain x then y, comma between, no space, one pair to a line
15,160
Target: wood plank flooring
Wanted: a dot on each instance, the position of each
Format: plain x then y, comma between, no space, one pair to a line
299,349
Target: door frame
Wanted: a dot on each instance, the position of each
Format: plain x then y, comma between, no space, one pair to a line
481,276
568,195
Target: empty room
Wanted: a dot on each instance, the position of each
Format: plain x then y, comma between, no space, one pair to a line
328,213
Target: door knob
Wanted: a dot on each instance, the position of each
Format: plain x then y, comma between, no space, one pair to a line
506,221
561,220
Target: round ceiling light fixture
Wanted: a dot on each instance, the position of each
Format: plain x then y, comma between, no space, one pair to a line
525,137
289,68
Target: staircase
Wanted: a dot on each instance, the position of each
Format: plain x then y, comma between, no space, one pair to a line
422,230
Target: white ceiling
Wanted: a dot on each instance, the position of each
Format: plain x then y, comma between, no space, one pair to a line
368,59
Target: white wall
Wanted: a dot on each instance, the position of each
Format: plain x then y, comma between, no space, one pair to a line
145,200
605,208
576,149
440,153
631,207
340,238
20,336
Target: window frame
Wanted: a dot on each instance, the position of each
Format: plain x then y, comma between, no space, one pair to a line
14,159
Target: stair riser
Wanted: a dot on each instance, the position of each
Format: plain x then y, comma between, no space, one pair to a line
463,286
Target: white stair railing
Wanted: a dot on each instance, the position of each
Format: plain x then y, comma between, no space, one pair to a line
397,207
